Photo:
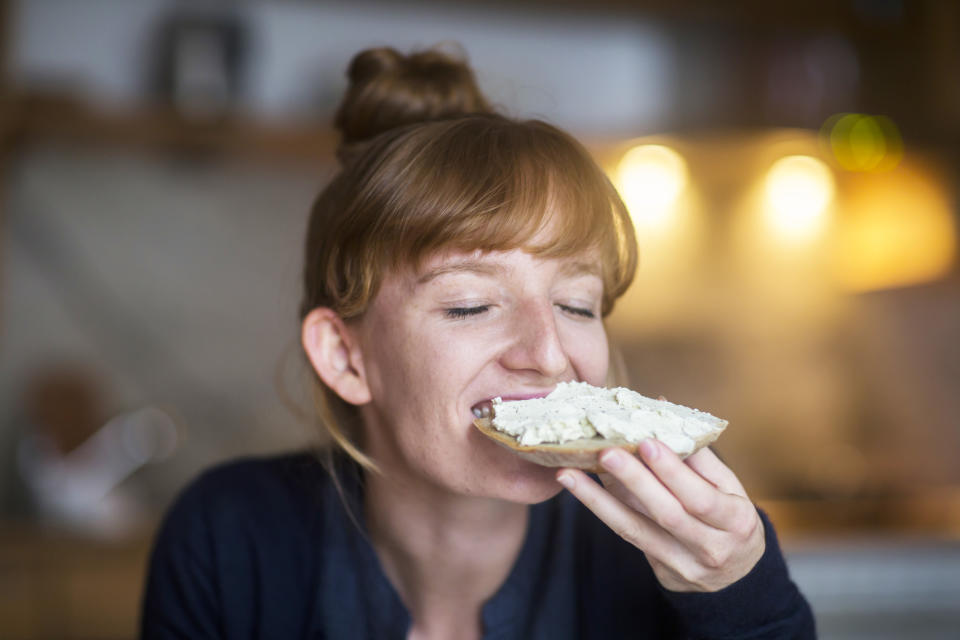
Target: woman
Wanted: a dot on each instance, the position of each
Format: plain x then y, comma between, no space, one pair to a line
458,256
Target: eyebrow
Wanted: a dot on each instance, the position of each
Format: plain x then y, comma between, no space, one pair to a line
572,269
569,270
463,266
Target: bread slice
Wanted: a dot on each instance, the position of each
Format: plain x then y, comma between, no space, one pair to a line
577,454
684,430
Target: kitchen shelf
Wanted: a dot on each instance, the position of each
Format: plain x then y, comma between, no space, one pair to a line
32,117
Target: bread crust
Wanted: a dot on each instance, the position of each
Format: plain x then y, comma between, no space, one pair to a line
577,454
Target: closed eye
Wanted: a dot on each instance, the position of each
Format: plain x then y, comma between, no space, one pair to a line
465,312
577,311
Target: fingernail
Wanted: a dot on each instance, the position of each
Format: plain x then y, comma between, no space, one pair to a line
566,480
649,450
612,460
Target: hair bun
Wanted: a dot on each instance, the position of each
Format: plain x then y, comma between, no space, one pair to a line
388,89
370,63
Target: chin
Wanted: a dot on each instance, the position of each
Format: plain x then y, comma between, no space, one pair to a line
505,476
530,483
536,496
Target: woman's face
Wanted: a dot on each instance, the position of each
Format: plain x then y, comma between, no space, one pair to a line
467,327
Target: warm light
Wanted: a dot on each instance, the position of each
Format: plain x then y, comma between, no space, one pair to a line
669,218
864,143
897,231
651,178
798,192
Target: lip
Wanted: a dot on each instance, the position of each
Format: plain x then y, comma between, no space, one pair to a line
523,396
509,397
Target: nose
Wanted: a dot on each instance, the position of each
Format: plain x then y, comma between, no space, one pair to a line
536,344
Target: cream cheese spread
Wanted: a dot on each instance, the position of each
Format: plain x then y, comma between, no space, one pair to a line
577,410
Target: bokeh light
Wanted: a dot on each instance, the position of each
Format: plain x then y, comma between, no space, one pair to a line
861,142
670,219
798,190
651,177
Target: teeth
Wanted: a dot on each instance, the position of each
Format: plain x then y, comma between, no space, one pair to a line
482,410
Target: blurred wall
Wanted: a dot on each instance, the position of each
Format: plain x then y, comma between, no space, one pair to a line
591,73
175,282
173,277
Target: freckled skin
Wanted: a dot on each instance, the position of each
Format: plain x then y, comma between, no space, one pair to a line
426,368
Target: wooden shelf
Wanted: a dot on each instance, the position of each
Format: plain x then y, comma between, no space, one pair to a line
30,118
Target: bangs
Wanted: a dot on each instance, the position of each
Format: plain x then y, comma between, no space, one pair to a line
488,184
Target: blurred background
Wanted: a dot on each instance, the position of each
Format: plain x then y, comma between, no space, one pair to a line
791,168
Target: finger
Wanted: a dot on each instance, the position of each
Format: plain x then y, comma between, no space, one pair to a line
678,565
662,506
698,497
621,493
633,527
707,464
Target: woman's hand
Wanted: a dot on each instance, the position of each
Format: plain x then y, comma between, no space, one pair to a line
692,519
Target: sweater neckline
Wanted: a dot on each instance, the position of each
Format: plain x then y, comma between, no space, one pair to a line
505,609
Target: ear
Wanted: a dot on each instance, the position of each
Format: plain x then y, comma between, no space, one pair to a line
334,353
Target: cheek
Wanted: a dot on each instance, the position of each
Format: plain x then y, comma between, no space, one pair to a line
589,352
410,364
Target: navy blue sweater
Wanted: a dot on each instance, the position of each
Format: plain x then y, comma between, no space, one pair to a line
266,548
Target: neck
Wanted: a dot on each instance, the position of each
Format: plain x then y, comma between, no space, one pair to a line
445,554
